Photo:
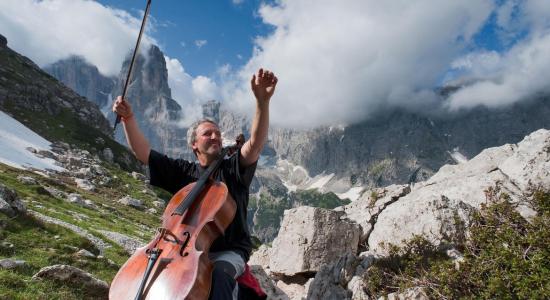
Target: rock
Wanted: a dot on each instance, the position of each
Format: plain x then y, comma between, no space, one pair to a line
26,180
85,253
416,293
151,211
158,204
439,208
84,184
294,291
56,193
357,287
129,244
10,204
139,176
310,238
133,202
260,257
74,276
108,155
9,263
332,280
267,284
75,199
365,210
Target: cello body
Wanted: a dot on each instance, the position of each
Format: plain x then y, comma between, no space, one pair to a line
183,269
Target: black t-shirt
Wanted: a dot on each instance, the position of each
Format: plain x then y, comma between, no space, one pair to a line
173,174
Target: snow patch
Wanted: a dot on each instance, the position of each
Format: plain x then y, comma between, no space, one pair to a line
319,181
15,138
352,194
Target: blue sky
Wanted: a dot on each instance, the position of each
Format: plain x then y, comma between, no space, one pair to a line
226,28
338,62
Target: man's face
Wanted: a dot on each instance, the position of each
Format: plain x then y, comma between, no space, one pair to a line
208,140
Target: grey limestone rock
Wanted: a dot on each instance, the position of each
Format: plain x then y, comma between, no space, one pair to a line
310,238
74,276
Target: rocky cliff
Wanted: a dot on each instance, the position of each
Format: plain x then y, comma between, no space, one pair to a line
84,79
333,254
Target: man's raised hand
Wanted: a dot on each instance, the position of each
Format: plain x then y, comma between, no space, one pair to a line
263,85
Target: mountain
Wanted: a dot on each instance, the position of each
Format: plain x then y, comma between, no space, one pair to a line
148,92
54,111
84,78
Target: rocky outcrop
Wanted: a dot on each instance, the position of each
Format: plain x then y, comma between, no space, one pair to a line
439,208
84,78
92,286
400,147
155,110
310,238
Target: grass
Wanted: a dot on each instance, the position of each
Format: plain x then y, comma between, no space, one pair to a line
505,257
42,244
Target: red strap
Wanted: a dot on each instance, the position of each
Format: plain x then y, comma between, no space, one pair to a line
247,279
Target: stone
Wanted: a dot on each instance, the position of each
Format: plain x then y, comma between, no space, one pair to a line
440,208
128,243
310,238
26,180
75,199
332,279
138,176
10,204
294,291
108,155
84,184
267,284
416,293
9,263
133,202
260,257
85,253
357,286
74,276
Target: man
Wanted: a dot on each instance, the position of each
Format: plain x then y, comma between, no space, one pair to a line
230,251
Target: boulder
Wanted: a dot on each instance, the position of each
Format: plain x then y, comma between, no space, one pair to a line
26,180
139,176
332,279
260,257
267,284
84,184
10,204
365,210
133,202
311,237
74,276
8,263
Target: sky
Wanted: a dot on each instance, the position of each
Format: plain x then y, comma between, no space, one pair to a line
338,62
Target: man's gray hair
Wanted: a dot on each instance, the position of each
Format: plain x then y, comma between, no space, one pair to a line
192,131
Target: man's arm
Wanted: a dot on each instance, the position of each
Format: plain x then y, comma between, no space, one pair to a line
263,85
137,141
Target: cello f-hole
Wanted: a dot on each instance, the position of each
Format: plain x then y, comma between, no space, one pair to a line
187,237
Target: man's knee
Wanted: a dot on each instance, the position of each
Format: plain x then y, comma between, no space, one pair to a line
226,267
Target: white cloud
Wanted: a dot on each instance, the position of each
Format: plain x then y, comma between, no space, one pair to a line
50,30
189,92
200,43
339,61
514,76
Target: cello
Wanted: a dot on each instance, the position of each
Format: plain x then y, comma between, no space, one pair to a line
175,264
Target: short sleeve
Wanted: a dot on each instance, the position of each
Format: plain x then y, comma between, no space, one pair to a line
244,175
170,174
